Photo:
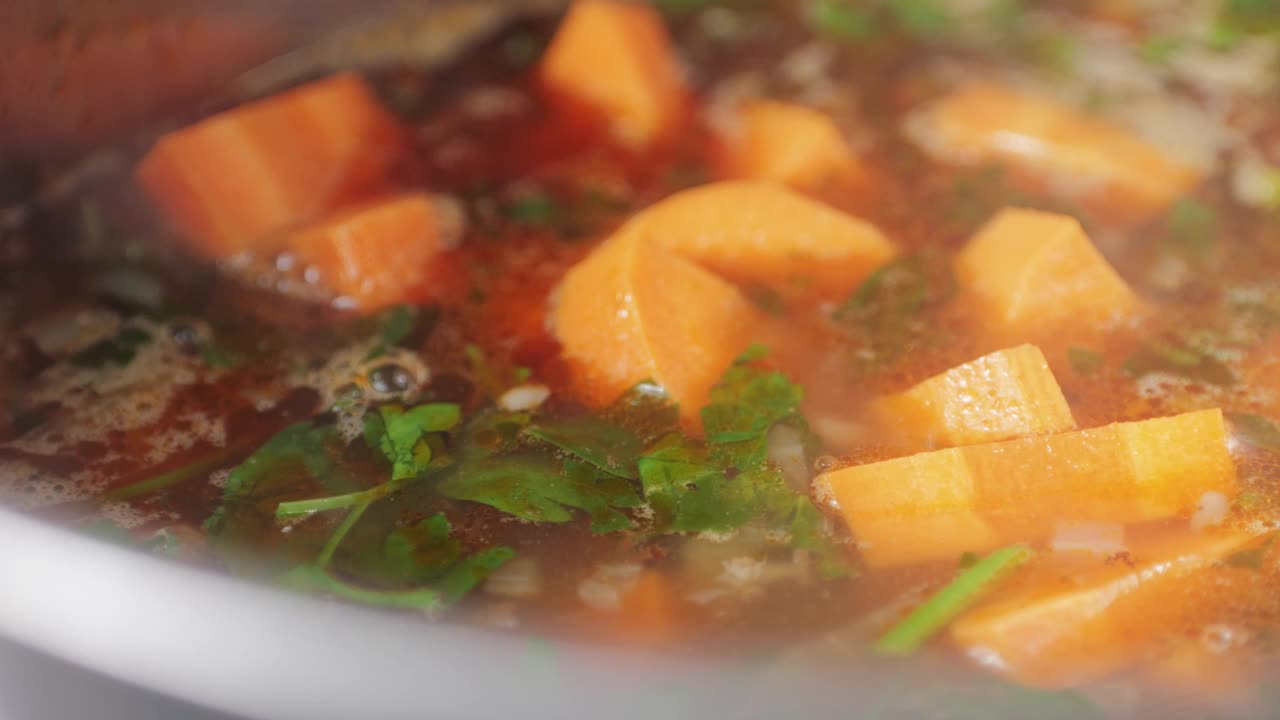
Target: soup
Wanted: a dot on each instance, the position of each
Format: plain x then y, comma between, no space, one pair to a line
909,328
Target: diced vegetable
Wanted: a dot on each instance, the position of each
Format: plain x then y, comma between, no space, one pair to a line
632,311
1050,633
1034,270
647,612
612,59
232,179
785,143
637,309
760,233
959,595
1006,394
1066,150
911,510
372,256
940,503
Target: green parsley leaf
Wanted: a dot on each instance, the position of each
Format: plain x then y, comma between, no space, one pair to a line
744,405
889,305
1193,228
1256,430
403,436
537,210
1164,355
805,523
1160,49
1252,558
1084,361
841,20
458,581
397,323
119,350
604,444
689,493
302,444
422,552
538,489
215,357
177,476
1249,17
921,19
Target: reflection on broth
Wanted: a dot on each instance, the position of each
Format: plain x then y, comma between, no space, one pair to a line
817,330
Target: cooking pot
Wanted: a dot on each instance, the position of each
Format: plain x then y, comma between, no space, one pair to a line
80,75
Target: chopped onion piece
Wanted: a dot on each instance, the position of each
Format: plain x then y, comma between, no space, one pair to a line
518,578
786,451
524,397
1210,511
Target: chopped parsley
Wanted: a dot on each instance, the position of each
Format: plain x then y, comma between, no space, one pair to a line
536,488
1084,361
302,444
119,350
1193,228
889,308
396,326
957,596
1160,49
424,555
601,443
1252,558
1178,358
1257,431
402,435
844,21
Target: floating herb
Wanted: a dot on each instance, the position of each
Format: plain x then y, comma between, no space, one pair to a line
959,595
1257,431
119,350
1084,361
1170,356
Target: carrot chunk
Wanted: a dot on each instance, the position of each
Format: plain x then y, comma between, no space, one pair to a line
633,311
647,612
232,179
1070,152
1034,270
646,304
911,510
1006,394
370,256
784,143
613,58
1125,472
1062,625
761,233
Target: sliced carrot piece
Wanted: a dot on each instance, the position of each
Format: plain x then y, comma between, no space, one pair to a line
785,143
633,311
911,510
764,234
1062,626
1006,394
647,613
614,59
1125,472
371,256
1038,270
1071,152
232,179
